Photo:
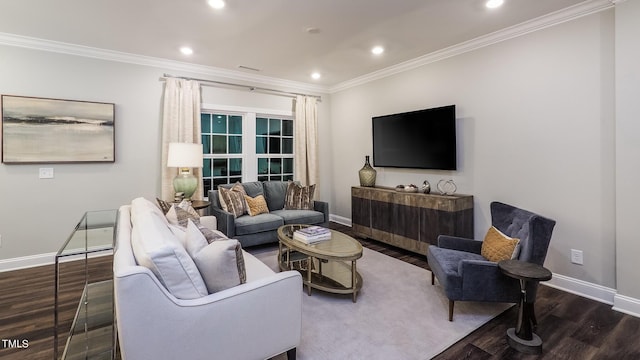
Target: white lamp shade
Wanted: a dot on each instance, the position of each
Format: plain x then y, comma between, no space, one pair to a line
184,155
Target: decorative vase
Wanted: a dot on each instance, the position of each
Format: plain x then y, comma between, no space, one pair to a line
367,174
426,187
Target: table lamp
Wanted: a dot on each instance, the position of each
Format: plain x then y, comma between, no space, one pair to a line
185,156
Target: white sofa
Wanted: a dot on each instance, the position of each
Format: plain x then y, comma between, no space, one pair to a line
255,320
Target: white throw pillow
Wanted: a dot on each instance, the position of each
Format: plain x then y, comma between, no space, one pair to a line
221,263
156,248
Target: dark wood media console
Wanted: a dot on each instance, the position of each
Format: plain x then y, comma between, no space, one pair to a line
410,221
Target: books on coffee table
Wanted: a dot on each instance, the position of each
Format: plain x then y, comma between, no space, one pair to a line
312,234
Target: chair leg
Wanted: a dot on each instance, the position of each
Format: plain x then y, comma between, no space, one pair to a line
433,279
291,354
451,310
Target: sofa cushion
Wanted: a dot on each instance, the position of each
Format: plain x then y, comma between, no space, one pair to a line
179,214
300,216
156,248
253,188
141,205
256,205
299,197
274,193
259,223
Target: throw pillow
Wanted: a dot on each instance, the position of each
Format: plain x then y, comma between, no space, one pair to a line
164,205
498,246
256,205
237,187
180,213
299,197
234,201
221,265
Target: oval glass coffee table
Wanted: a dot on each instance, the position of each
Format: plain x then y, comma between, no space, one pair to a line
328,265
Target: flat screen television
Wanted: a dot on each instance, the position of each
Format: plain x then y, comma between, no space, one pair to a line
423,139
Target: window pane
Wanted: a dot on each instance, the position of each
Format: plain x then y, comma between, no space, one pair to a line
276,166
274,127
219,144
206,184
219,181
275,178
263,178
206,144
262,126
287,146
274,145
235,167
205,122
287,127
287,177
220,167
219,124
234,180
235,144
263,166
235,124
261,145
287,165
206,167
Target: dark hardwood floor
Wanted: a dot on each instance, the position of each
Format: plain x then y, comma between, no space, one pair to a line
571,327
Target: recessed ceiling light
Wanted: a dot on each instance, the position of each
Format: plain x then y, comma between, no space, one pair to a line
186,50
492,4
216,4
316,76
377,50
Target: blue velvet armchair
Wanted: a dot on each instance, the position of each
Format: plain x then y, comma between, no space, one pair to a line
466,275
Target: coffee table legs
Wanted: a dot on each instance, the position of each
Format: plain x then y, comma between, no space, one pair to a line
522,337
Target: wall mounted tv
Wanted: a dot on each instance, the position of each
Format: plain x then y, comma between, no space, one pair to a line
423,139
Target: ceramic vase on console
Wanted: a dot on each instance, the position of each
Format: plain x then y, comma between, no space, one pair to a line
367,174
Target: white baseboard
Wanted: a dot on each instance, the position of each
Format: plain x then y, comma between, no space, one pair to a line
582,288
627,305
340,219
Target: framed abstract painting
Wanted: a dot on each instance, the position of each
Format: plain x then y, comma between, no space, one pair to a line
41,130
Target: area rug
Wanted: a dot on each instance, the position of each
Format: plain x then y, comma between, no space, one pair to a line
398,314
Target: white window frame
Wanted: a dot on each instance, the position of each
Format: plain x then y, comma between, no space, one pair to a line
249,115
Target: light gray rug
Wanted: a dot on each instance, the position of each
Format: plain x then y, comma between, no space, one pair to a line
399,314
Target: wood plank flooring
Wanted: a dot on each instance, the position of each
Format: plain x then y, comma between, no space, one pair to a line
571,327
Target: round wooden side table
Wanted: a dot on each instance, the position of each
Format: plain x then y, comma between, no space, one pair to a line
522,337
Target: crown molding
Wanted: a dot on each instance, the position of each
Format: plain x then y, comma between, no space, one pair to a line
165,64
573,12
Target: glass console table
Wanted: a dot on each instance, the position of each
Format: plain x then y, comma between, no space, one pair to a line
92,334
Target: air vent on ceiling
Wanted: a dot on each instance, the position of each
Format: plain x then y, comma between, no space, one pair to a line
248,68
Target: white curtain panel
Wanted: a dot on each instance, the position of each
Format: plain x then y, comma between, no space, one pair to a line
306,141
180,123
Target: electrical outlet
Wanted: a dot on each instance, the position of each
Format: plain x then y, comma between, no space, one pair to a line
576,256
46,173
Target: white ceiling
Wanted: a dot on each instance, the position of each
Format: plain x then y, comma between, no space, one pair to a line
271,35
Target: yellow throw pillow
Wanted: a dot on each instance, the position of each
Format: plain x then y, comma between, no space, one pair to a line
256,205
498,246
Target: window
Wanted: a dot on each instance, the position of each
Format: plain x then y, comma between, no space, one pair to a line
274,148
245,147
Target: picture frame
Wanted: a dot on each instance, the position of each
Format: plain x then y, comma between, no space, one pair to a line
43,130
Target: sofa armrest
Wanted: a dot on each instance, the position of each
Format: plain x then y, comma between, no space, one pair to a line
323,207
226,223
458,243
215,325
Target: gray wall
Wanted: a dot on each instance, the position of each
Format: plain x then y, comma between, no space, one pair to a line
627,147
536,129
37,215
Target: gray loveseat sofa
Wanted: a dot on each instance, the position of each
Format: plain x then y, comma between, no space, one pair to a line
262,228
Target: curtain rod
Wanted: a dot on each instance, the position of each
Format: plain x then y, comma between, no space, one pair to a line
248,87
